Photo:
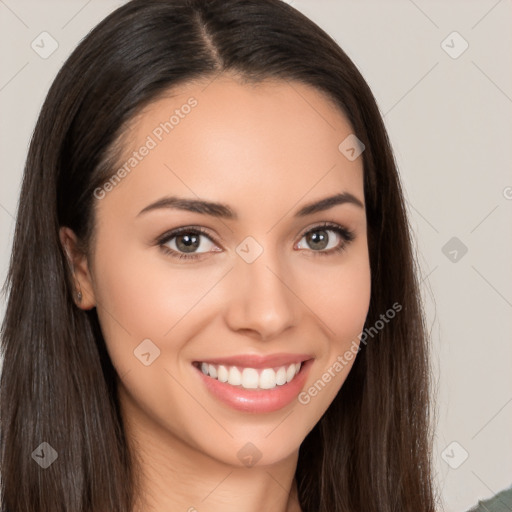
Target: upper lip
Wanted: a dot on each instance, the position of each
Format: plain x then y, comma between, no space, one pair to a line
258,361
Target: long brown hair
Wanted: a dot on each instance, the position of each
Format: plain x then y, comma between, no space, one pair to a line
371,449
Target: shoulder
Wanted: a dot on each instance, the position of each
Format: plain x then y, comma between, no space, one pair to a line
502,502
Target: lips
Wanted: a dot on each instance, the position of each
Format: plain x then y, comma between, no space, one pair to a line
259,361
252,383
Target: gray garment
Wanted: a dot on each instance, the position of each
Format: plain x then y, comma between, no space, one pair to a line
502,502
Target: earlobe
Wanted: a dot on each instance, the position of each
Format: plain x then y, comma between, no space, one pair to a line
84,291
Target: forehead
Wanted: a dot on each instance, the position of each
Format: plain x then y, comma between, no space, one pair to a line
238,143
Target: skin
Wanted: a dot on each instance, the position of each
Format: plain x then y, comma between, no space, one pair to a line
265,150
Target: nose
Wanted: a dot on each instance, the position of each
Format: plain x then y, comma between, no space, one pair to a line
262,303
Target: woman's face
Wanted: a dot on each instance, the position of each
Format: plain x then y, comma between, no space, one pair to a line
259,291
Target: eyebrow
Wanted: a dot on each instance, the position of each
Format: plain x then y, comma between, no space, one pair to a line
224,211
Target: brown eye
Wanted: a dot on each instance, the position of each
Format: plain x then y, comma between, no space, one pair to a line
187,243
319,239
326,239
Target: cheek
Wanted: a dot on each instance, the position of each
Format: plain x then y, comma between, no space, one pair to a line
142,295
348,307
339,296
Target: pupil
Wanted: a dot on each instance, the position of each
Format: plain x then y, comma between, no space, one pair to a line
187,242
317,241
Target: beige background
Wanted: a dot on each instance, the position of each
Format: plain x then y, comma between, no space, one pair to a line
450,122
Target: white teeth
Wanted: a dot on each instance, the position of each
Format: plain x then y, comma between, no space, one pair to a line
235,377
268,379
250,378
212,371
281,376
222,373
290,373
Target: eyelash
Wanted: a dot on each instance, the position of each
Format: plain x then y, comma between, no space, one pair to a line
346,235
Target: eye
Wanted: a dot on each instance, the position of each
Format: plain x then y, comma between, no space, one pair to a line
326,239
186,242
193,242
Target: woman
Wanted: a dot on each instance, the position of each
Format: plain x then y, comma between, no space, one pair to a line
212,295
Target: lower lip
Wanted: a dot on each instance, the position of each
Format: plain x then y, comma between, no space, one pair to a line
257,400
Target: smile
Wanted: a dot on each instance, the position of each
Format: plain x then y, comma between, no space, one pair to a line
251,378
255,383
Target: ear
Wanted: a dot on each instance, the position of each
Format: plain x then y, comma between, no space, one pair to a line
80,267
